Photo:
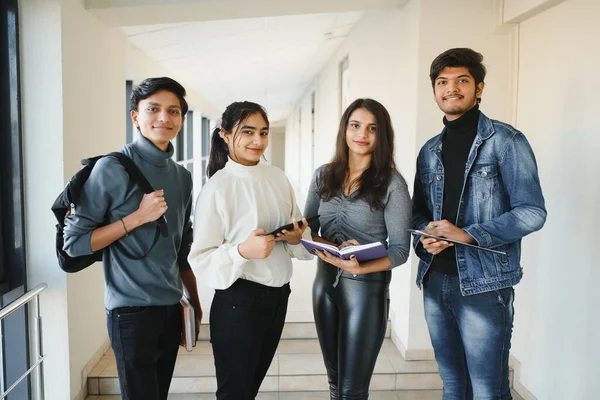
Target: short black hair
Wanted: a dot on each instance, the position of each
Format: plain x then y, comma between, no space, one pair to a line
459,57
149,86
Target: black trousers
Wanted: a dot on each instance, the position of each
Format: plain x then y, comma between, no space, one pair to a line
246,321
145,341
351,320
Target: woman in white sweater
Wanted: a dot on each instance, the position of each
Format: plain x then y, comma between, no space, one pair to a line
232,252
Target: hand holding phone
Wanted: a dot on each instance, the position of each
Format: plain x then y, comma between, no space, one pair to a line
289,227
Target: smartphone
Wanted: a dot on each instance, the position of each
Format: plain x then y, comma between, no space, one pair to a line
289,227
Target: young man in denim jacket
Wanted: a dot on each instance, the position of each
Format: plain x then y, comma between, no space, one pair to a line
476,182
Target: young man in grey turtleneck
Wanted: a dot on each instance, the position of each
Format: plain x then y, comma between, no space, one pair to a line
142,296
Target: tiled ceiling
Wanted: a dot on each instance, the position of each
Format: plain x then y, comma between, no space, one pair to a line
267,60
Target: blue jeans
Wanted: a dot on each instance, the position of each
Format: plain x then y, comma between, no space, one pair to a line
471,338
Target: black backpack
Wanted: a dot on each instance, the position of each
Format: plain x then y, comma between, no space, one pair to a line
69,197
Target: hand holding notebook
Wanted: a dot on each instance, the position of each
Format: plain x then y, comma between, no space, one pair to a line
364,252
188,324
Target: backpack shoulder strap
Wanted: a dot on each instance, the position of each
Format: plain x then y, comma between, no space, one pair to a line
134,172
138,177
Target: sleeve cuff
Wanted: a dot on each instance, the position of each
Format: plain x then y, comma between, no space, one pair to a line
82,246
236,257
482,238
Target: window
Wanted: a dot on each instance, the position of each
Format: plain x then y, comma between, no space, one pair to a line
205,134
184,144
14,338
312,128
299,149
130,133
344,85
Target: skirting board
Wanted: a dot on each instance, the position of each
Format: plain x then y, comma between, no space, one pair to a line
82,395
517,385
412,354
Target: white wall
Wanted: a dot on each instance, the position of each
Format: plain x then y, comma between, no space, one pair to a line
93,123
42,115
73,99
555,336
519,10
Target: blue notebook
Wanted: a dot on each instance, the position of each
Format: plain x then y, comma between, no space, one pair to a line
363,252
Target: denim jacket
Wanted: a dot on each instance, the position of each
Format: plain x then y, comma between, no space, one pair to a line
501,202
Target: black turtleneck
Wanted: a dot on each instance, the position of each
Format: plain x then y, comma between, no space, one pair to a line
457,140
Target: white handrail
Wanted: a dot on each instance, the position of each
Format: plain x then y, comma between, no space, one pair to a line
33,294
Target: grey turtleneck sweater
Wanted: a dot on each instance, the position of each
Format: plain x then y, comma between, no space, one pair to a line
108,195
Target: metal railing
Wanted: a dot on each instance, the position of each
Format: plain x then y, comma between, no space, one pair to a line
33,294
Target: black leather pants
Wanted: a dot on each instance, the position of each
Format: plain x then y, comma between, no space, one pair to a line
351,320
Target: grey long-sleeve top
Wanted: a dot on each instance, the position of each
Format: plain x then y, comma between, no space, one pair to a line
344,217
108,195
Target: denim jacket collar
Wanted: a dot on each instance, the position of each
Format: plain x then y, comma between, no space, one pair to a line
485,130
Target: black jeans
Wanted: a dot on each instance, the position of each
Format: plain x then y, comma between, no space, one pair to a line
145,341
351,319
246,321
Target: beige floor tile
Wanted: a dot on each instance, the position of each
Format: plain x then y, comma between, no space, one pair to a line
383,382
93,386
268,396
203,347
193,385
323,395
301,383
108,386
420,394
402,366
383,395
418,382
383,365
304,396
195,366
270,384
302,346
299,330
301,364
299,316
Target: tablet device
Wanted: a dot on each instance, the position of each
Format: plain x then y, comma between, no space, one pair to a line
421,233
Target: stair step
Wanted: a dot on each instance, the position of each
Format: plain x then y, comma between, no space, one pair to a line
373,395
291,330
297,367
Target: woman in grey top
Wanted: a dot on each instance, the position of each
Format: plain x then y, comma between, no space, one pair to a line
361,198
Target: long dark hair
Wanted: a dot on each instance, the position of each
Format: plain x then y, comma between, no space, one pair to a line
373,182
235,114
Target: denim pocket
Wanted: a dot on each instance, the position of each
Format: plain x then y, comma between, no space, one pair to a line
427,183
483,178
504,296
130,311
501,259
